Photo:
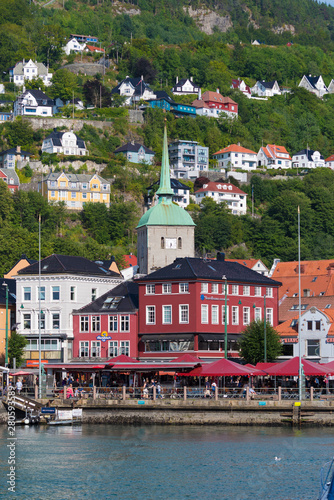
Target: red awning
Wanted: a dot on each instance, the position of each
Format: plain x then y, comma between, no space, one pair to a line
329,367
224,367
291,368
264,366
122,358
187,358
74,367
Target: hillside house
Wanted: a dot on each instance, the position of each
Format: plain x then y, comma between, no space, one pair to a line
185,86
234,197
29,70
314,84
34,103
266,89
238,84
273,156
67,143
307,158
236,157
73,46
329,162
10,177
136,153
187,157
222,104
181,192
134,89
10,158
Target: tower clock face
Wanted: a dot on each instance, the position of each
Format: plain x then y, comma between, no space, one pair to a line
171,243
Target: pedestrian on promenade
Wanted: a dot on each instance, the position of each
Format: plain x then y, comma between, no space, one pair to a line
18,386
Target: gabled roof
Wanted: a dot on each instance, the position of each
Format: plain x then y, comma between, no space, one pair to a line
175,184
308,152
92,48
210,96
313,80
181,82
274,151
289,305
267,85
13,151
236,85
11,283
199,103
130,260
285,328
41,98
53,176
234,148
161,94
11,174
192,268
250,263
56,138
137,83
18,68
330,158
125,297
68,264
219,187
133,147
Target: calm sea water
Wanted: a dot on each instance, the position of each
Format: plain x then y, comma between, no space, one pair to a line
171,463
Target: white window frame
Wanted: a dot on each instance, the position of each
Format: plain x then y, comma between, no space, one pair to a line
214,315
223,315
235,290
269,292
112,348
95,323
53,292
150,315
257,291
124,323
246,316
27,290
270,316
183,310
95,349
150,289
73,293
184,287
84,324
124,347
112,320
164,309
246,290
53,314
26,320
235,315
204,287
166,288
214,288
258,314
84,347
41,291
204,314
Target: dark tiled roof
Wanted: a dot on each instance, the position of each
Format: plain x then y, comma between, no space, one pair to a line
133,147
308,152
138,84
59,264
191,268
14,151
268,85
182,81
161,94
313,80
126,291
11,291
175,184
56,138
11,174
39,96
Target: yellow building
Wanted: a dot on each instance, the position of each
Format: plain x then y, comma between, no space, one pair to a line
11,312
76,189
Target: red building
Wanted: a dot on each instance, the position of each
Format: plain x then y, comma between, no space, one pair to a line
217,101
9,176
108,326
182,307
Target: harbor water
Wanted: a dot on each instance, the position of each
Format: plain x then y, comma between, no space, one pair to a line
165,462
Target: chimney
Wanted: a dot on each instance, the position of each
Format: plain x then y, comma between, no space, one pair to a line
177,79
18,149
330,269
142,77
191,78
199,94
217,91
221,256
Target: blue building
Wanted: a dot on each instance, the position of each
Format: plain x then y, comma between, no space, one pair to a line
136,153
163,101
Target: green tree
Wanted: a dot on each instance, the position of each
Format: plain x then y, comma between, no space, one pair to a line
16,345
64,84
35,83
251,344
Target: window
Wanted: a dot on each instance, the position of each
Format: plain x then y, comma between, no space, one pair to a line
55,293
26,293
94,294
214,315
112,348
309,325
95,349
214,288
204,287
257,291
125,323
72,293
167,288
73,194
184,313
246,290
124,347
246,316
62,184
235,315
27,321
83,349
41,293
269,292
162,242
313,347
179,243
41,320
96,322
150,315
113,323
223,315
167,315
55,321
150,289
318,325
204,314
235,289
269,316
258,314
84,324
184,287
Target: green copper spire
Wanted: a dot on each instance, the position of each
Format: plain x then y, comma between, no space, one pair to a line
165,188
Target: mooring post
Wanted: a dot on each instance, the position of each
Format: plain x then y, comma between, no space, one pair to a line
279,393
64,392
154,393
185,393
124,392
247,393
311,393
94,393
36,391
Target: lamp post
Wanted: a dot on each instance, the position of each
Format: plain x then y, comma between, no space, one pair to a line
225,322
6,351
299,314
265,328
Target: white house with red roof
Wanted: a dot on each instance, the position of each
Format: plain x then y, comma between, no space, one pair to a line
238,84
329,162
223,104
254,264
235,199
92,48
236,157
273,156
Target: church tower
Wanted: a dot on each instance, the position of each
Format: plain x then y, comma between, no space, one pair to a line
166,231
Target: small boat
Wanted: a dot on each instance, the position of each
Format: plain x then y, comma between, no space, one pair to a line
327,481
66,417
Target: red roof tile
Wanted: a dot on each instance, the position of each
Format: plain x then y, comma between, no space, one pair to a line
234,148
213,186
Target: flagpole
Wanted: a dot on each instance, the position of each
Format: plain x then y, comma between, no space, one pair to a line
299,315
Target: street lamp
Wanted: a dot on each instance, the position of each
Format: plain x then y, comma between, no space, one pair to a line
6,351
265,328
225,322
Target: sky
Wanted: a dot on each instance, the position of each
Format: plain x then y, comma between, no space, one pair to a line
329,2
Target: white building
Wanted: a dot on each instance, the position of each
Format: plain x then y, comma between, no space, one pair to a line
317,335
236,157
314,84
28,71
67,143
238,84
181,194
235,199
134,89
73,46
266,89
185,86
329,162
273,156
67,283
34,103
307,158
186,157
